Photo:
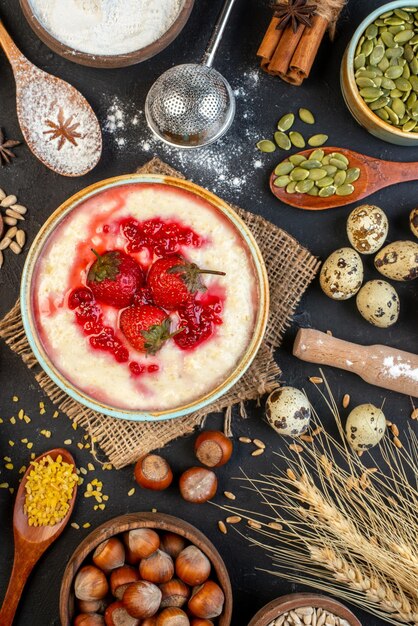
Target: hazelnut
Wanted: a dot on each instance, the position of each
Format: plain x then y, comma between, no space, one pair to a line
173,544
198,485
91,606
175,593
109,555
142,599
89,619
172,617
213,448
90,584
192,566
201,622
153,472
117,615
207,600
157,568
120,578
140,543
149,621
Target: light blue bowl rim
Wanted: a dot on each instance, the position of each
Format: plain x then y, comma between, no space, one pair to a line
76,394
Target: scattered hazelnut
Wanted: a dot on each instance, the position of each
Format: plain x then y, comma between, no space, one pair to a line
117,615
198,485
153,472
142,599
201,622
90,583
89,619
175,593
140,544
207,600
192,566
213,448
149,621
172,617
157,568
173,544
109,555
91,606
120,578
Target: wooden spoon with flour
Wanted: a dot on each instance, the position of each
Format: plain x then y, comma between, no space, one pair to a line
57,122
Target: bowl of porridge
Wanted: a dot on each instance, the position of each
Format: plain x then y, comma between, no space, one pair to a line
144,297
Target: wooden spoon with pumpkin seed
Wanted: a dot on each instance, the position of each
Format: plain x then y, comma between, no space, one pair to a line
374,174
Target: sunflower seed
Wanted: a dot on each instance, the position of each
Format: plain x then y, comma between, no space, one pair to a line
8,201
306,116
10,221
2,194
14,247
21,238
11,232
5,243
317,140
265,145
19,208
286,122
297,139
12,213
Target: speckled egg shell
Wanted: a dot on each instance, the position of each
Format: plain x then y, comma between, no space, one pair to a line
413,221
378,302
367,228
341,274
398,260
365,427
288,411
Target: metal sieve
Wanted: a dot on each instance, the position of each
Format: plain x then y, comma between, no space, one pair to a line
192,105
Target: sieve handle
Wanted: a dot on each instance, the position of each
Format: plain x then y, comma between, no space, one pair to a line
217,33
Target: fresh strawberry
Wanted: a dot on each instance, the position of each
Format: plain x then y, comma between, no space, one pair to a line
114,278
146,327
173,280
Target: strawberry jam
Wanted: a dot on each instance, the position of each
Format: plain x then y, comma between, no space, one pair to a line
198,318
158,236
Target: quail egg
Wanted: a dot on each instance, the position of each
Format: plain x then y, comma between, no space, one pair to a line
341,274
413,221
378,302
288,411
367,228
365,427
398,260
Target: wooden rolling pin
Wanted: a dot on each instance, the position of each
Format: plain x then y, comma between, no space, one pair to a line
378,365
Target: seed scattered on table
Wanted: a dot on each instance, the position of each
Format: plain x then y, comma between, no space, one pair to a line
222,527
254,524
244,440
295,447
258,452
317,380
259,443
346,400
414,414
229,495
234,519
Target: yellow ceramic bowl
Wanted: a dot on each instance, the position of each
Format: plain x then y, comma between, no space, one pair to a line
28,285
355,103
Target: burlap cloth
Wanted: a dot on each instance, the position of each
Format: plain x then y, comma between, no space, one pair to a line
290,268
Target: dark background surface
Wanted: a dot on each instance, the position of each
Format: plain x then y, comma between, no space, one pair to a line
261,100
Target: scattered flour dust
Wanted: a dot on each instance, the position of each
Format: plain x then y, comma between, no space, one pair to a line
224,166
106,27
398,368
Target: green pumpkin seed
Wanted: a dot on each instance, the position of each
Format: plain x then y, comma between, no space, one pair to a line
379,103
284,168
392,115
340,165
360,61
383,65
291,187
406,72
412,98
304,186
396,93
414,66
339,178
387,39
367,47
282,140
413,41
371,92
311,164
306,116
340,157
317,140
398,107
366,73
352,174
330,169
394,53
286,122
402,14
316,155
414,83
326,192
377,54
383,16
325,160
281,181
363,81
410,125
297,139
345,190
317,173
414,111
387,83
383,115
408,52
403,84
403,36
371,31
299,173
393,72
313,192
297,159
265,145
325,182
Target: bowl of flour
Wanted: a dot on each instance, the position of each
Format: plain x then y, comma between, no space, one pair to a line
107,33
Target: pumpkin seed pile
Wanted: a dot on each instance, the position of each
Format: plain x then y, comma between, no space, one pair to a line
317,175
293,138
386,67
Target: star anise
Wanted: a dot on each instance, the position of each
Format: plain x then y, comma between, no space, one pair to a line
294,12
6,154
63,129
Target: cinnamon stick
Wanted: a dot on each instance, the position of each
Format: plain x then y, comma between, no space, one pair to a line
285,50
293,77
270,41
305,53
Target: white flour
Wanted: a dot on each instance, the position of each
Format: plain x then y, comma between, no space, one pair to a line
106,27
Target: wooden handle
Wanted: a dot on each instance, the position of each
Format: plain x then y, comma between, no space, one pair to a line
379,365
392,172
16,58
23,563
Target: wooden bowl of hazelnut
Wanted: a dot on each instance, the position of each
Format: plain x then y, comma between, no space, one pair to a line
146,569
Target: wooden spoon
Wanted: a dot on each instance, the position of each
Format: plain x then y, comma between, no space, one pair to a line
30,542
57,122
375,174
